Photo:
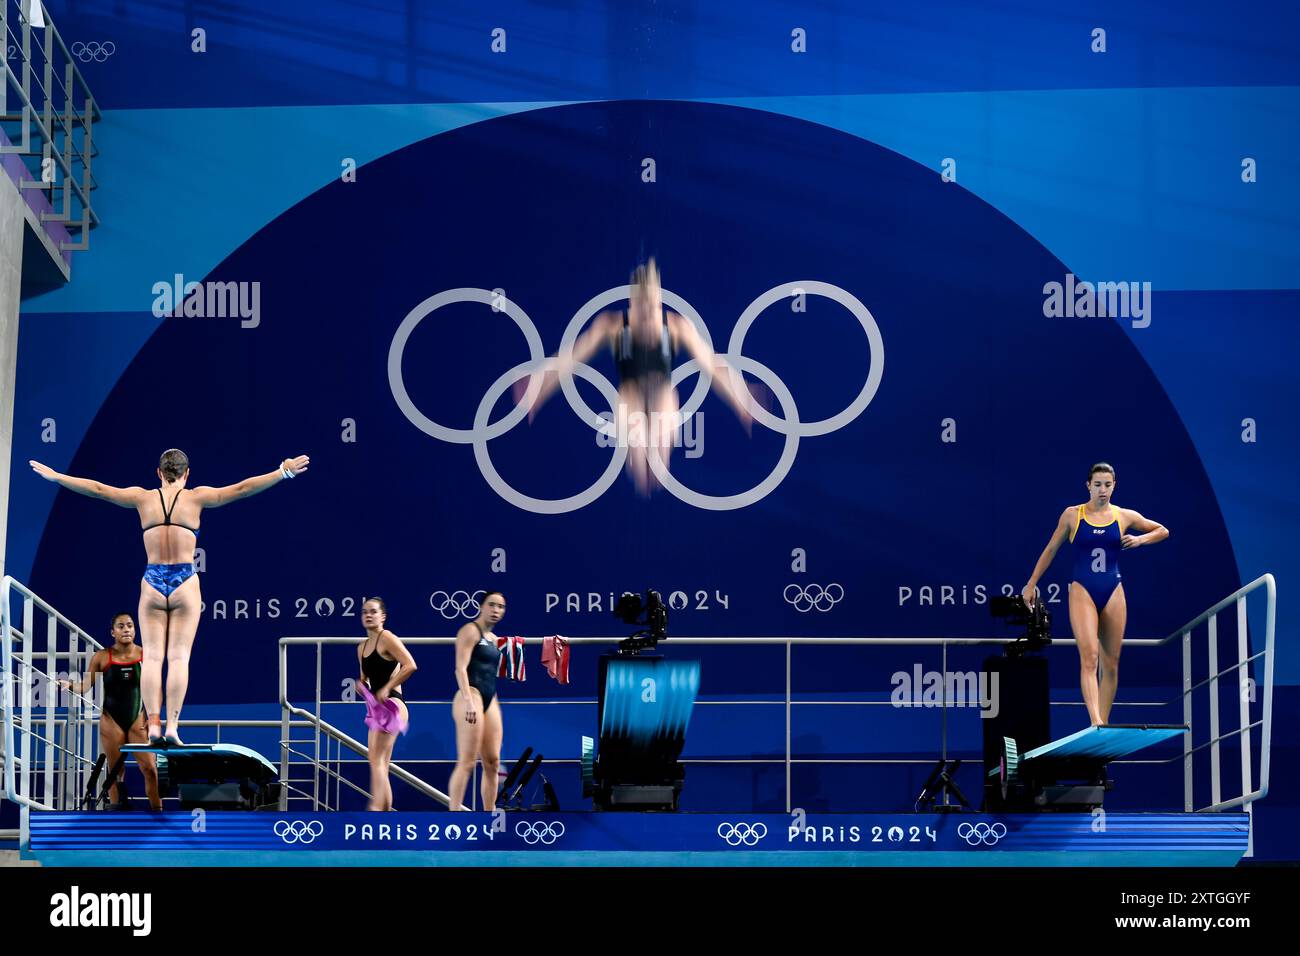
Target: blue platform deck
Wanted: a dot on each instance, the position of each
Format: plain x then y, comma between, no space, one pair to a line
636,839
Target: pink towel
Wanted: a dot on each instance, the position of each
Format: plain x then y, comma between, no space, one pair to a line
385,717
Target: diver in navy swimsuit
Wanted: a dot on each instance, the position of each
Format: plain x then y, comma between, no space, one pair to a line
475,709
644,338
169,590
1097,532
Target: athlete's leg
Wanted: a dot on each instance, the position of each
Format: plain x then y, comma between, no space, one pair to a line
1110,632
468,740
153,635
490,752
182,626
111,739
1083,621
148,765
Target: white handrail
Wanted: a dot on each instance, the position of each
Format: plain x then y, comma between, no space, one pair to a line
1266,581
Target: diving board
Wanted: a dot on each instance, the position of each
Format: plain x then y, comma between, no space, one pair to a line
1107,742
1070,773
214,776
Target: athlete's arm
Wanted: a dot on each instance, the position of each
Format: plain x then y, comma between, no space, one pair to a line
92,672
584,348
1058,538
699,350
208,496
466,638
123,497
1153,532
405,664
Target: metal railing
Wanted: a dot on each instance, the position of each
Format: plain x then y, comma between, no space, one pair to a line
49,735
49,738
1248,691
47,112
1249,794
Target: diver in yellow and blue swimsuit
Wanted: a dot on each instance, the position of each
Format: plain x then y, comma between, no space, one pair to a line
1097,532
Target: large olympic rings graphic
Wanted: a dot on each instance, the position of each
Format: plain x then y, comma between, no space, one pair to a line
978,833
298,831
483,431
94,50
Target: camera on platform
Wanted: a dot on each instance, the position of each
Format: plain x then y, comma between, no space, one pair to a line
653,613
1037,621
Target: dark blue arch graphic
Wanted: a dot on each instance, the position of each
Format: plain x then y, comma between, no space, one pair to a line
552,207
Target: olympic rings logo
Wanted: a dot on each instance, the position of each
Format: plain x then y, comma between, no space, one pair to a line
482,432
455,604
546,833
298,831
982,833
737,833
94,50
805,599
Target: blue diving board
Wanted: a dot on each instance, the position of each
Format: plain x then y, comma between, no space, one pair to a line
224,752
1102,744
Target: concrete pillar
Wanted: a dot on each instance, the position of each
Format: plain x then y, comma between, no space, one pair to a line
12,223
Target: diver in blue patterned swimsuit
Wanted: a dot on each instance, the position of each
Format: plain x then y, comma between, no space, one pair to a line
1097,532
169,592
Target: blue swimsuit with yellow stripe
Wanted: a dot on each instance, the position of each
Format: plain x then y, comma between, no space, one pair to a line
1096,556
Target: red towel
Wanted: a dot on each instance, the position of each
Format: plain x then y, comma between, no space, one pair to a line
555,657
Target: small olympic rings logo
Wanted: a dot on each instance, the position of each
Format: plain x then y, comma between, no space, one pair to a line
546,833
737,833
538,364
94,50
298,831
455,604
982,833
805,598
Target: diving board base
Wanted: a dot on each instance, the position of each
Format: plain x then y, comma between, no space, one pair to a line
638,839
214,776
1069,773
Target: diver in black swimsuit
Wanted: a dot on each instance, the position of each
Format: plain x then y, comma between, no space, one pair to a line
477,663
385,665
122,716
644,337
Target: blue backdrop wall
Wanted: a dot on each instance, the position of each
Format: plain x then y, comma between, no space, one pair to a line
940,167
